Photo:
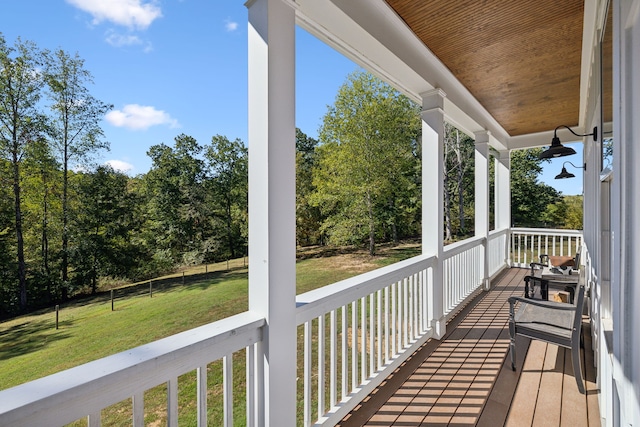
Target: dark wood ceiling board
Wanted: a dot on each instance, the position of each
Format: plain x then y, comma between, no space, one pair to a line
521,59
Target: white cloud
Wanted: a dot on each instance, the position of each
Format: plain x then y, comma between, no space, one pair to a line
133,14
230,25
140,117
115,39
120,166
79,168
119,40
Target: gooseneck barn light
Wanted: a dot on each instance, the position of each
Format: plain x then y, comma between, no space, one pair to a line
565,174
559,150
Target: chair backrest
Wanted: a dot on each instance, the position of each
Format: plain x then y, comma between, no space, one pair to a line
576,260
577,320
537,268
536,287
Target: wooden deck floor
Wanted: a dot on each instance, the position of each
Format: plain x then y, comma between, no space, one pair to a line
466,378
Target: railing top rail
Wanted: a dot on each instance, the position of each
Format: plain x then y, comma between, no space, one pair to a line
461,246
494,233
547,231
90,387
322,300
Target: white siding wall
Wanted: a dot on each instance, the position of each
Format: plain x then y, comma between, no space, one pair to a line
626,211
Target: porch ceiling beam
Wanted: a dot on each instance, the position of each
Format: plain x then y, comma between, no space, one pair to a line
394,37
368,32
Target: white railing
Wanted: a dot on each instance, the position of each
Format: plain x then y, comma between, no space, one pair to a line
352,335
527,244
357,331
462,272
497,251
84,391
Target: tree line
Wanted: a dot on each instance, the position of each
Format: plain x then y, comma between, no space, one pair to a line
68,225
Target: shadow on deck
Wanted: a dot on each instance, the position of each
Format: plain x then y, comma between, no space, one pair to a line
465,379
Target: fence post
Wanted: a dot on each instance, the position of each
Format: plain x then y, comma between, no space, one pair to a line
111,299
183,278
206,268
57,313
151,288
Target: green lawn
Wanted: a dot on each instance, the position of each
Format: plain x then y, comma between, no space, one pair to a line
31,347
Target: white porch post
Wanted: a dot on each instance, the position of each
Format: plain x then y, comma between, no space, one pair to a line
502,196
272,249
432,199
482,197
502,208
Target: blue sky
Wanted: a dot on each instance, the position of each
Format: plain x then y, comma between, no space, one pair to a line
178,66
169,67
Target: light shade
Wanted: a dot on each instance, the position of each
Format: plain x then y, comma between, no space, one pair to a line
556,150
559,150
565,174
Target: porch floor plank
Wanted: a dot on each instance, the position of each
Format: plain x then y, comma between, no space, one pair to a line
593,408
547,411
465,379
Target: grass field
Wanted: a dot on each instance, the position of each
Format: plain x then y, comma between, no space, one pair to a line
31,347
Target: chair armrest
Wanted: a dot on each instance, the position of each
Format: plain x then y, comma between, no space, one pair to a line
541,303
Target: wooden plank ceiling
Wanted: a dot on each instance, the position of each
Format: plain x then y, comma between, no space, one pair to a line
519,58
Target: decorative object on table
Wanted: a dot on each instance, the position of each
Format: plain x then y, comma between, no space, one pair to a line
561,296
563,269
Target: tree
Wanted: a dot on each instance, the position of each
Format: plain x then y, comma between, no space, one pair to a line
529,197
75,125
103,227
41,183
308,216
458,180
9,300
555,214
177,203
20,123
227,182
366,160
575,212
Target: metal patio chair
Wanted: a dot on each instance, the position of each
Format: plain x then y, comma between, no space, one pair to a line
536,287
551,322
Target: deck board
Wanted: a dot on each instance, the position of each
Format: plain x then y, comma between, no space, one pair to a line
593,408
549,404
465,379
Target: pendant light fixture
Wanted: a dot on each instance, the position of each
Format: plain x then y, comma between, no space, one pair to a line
565,174
558,150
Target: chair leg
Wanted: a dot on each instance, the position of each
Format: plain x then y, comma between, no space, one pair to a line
512,345
577,371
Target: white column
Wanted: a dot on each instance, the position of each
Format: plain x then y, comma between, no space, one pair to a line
502,197
482,196
432,199
502,191
272,249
